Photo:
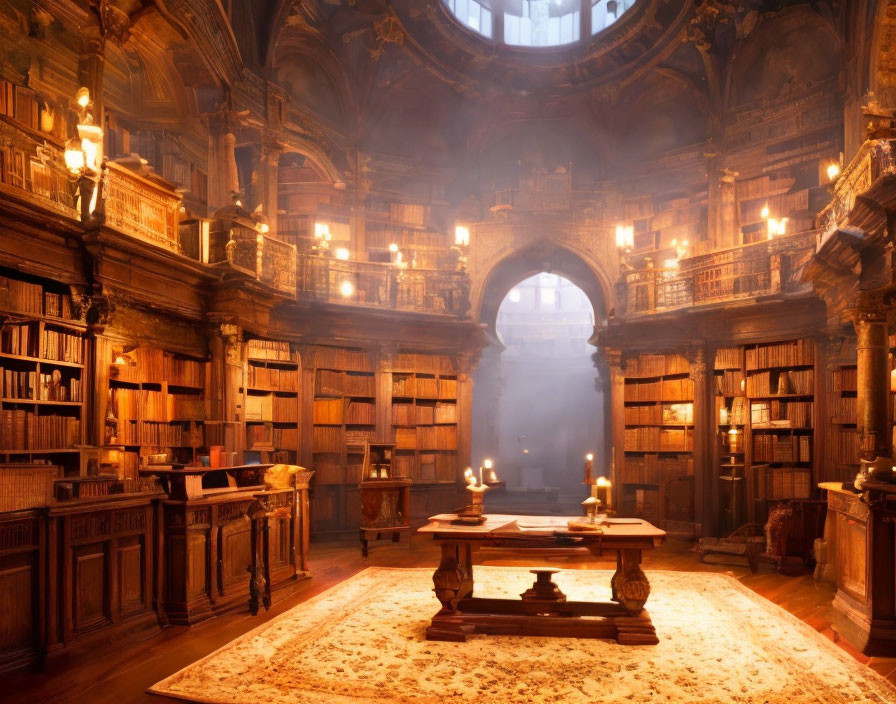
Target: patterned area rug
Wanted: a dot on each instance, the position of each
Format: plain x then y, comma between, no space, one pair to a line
363,641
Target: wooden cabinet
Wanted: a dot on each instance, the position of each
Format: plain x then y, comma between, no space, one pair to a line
861,549
22,558
205,545
99,571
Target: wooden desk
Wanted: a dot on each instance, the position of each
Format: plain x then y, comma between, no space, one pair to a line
543,609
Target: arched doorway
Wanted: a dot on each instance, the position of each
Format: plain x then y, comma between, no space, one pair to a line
538,394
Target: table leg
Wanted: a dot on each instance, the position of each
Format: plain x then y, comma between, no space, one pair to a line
453,579
629,584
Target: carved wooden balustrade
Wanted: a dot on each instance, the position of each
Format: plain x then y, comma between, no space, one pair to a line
146,208
266,259
875,159
34,169
763,268
383,285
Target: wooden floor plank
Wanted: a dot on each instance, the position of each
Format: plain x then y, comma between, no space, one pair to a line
120,673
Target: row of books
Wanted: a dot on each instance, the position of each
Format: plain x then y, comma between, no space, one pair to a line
272,378
666,414
437,437
785,483
17,384
342,359
359,385
57,305
781,354
271,408
781,414
24,430
423,414
328,411
260,437
650,365
735,414
844,409
325,438
357,438
179,371
664,390
423,364
153,365
269,349
360,413
768,447
846,379
728,358
782,383
849,444
55,388
653,439
653,469
186,407
165,435
730,383
61,346
20,297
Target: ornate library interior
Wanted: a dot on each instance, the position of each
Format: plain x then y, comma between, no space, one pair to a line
418,351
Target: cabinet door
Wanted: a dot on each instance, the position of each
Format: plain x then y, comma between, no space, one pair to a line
235,555
90,588
131,576
19,584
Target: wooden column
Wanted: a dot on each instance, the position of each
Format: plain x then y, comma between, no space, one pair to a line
617,409
466,365
234,375
704,439
306,408
382,360
873,383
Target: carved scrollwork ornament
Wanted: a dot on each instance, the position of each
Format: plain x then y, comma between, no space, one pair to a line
698,364
233,339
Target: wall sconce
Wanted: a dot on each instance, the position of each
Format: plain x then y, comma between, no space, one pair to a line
263,228
765,213
322,237
346,289
833,171
341,253
84,155
462,236
777,227
625,238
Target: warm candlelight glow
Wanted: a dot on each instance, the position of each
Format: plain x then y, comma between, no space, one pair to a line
263,228
321,231
346,288
765,212
625,237
393,248
589,457
461,235
833,171
341,253
82,97
603,481
487,463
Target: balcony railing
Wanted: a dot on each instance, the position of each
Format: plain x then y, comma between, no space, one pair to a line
876,158
264,258
35,169
383,286
764,268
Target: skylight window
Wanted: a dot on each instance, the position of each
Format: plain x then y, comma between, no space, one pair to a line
538,23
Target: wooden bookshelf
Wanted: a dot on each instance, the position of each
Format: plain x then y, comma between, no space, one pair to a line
156,403
780,388
424,418
43,379
729,497
657,477
271,402
844,430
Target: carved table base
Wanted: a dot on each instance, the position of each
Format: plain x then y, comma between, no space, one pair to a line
543,609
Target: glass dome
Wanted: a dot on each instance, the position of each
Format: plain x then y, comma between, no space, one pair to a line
538,23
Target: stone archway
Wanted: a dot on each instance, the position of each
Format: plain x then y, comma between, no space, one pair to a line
490,383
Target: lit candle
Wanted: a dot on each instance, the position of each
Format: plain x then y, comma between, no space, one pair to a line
589,468
605,484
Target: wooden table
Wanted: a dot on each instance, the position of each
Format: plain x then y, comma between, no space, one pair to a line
543,609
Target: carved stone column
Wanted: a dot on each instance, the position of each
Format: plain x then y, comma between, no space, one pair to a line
728,220
873,382
269,179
